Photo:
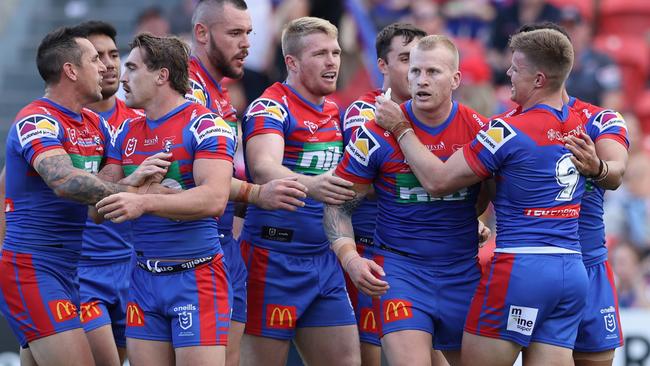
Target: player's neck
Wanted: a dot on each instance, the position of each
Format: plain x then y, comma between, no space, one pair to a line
202,56
435,118
103,105
304,92
552,99
393,96
162,104
64,96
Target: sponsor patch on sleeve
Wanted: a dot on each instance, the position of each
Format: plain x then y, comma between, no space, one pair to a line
357,114
35,127
362,147
497,134
197,93
608,119
267,108
210,125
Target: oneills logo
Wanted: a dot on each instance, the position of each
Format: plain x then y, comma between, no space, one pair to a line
134,315
280,317
62,310
90,311
397,310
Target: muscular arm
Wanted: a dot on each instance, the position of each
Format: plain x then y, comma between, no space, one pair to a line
587,156
337,219
56,169
616,157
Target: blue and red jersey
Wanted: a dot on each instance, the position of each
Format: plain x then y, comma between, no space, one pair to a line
538,188
313,144
205,90
357,114
189,132
409,220
109,241
600,123
36,217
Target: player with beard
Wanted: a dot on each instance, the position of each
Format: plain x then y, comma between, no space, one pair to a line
53,150
295,287
219,47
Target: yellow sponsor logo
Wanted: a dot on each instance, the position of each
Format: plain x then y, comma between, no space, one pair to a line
279,316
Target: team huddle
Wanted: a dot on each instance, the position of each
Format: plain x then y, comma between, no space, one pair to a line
361,233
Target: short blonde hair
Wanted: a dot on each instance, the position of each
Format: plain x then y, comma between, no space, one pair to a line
549,51
298,28
433,41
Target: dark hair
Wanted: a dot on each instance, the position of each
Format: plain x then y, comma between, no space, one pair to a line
386,35
199,15
543,25
57,47
96,27
166,52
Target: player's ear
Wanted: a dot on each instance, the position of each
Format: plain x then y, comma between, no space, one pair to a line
382,65
163,76
201,33
455,80
291,62
69,71
540,79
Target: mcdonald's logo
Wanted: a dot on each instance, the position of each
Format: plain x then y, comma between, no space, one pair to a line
397,310
368,321
134,315
280,317
89,311
62,310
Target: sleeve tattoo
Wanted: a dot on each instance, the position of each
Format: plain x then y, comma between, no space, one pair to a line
337,219
69,182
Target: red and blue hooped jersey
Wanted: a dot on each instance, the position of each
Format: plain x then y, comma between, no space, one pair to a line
600,123
109,241
189,132
409,220
357,114
205,90
35,216
538,188
313,144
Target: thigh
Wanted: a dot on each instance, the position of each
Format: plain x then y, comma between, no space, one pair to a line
201,356
146,352
68,348
233,350
263,351
337,345
38,297
541,354
600,327
103,346
280,288
486,351
407,347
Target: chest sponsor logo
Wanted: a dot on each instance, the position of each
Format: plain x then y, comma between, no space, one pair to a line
196,93
267,108
130,146
319,157
397,309
62,310
522,319
134,315
35,127
497,134
554,135
90,311
357,114
280,316
210,125
151,141
409,190
362,147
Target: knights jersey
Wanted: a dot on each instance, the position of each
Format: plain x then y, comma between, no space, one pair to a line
538,195
206,91
357,114
189,132
313,144
600,123
37,219
109,241
409,220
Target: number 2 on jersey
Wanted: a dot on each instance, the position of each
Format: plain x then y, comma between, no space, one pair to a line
567,177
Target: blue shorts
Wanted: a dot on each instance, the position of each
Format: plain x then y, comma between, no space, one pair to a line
366,308
288,291
600,328
187,308
237,272
526,298
429,298
104,289
39,295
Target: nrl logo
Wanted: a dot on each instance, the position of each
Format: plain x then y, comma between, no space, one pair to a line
130,146
185,319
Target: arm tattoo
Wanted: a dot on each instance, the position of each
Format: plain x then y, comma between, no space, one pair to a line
337,220
69,182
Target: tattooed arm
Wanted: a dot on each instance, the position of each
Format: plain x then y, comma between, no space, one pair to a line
337,222
56,169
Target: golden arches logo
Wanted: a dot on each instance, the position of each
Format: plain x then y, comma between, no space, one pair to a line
368,321
63,310
89,311
280,316
397,310
134,315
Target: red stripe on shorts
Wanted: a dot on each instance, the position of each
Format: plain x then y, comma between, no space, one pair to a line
29,286
610,277
256,282
207,292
